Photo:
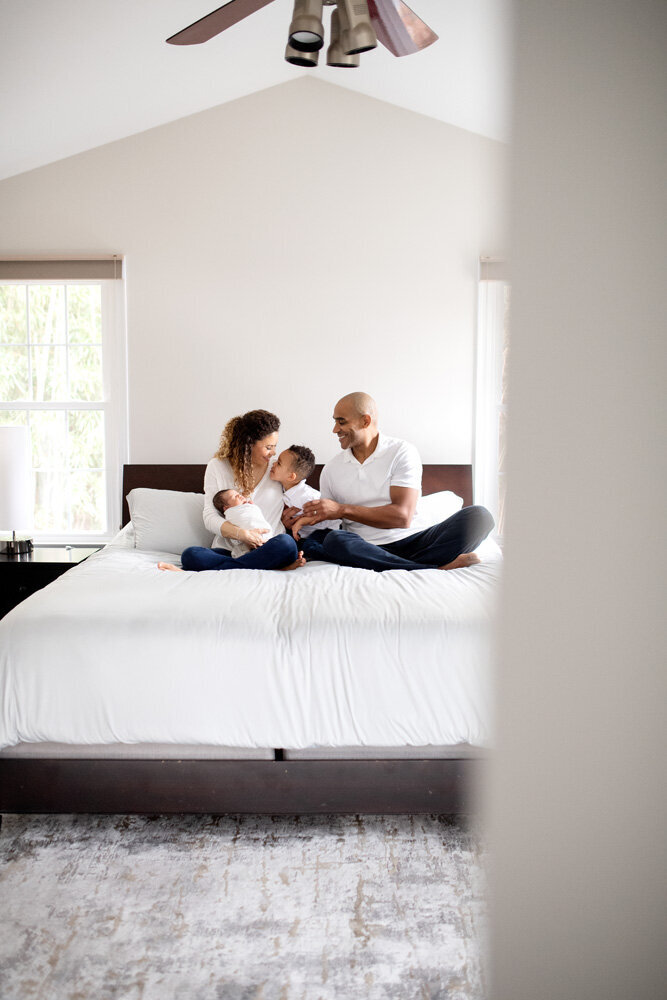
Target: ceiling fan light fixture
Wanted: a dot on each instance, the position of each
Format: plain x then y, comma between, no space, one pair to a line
335,54
356,31
306,32
298,58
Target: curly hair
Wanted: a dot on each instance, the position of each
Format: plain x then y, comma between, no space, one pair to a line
236,441
304,460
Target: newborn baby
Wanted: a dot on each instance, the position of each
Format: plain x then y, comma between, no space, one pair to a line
244,514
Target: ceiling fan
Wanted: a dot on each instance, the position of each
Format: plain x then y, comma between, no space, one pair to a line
356,26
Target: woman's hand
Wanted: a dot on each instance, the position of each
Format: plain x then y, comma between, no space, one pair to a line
253,537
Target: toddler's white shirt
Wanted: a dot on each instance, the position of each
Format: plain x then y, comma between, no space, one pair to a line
297,496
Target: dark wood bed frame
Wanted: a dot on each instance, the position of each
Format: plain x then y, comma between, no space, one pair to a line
189,479
278,786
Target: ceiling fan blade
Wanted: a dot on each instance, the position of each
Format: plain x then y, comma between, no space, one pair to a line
215,22
398,28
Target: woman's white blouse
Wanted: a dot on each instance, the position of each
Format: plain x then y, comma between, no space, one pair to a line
268,495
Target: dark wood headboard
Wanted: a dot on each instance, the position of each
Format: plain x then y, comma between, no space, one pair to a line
190,479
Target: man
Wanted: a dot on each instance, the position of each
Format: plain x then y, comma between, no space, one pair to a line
373,486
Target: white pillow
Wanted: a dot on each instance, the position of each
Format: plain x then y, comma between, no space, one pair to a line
437,507
167,521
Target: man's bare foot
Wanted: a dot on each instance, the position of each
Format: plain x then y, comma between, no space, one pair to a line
465,559
174,569
296,564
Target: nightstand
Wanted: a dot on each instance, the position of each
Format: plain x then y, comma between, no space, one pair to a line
22,575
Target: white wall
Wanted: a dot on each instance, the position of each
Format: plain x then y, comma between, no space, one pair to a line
283,250
578,806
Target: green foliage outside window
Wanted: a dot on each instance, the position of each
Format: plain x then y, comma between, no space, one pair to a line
51,353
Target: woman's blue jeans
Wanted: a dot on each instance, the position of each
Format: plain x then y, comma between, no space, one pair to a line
279,551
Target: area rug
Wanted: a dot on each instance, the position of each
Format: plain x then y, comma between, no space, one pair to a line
240,908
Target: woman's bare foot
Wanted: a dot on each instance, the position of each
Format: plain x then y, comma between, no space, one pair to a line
296,564
465,559
174,569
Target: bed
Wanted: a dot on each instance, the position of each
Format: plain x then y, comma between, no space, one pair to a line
326,689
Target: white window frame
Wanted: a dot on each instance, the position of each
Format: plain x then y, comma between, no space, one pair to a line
113,404
489,405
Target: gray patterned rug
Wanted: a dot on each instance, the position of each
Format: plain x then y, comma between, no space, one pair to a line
240,908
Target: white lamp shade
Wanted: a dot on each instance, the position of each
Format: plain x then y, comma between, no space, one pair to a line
16,505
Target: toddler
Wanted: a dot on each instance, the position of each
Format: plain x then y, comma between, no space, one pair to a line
291,469
243,513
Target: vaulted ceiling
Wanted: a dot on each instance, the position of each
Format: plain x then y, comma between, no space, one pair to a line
75,74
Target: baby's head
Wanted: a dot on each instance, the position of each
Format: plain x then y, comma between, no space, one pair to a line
292,465
228,498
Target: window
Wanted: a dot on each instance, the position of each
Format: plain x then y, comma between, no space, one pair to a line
491,390
62,373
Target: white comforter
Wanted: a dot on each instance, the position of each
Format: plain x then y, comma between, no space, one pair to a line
119,651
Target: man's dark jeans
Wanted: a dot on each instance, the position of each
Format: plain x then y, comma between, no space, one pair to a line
427,549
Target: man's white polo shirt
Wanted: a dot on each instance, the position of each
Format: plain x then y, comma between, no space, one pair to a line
367,484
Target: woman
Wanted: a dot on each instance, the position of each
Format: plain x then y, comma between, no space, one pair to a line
247,448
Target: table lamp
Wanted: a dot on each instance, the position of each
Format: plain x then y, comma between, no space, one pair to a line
16,507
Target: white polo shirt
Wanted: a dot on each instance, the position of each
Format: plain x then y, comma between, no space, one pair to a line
367,484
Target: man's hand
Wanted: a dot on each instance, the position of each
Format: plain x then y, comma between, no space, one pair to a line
253,537
323,510
290,515
396,514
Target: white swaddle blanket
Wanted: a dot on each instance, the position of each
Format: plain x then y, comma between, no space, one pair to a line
249,517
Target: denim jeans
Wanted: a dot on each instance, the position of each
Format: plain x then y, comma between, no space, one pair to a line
427,549
279,551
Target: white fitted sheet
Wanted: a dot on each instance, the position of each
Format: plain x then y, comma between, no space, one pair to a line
117,651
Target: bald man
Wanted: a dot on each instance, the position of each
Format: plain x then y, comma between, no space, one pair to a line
373,486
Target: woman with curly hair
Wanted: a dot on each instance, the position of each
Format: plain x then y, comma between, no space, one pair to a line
242,462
